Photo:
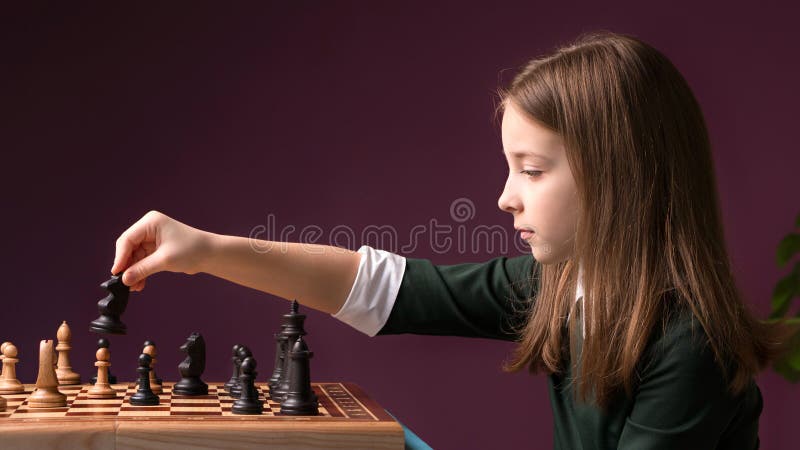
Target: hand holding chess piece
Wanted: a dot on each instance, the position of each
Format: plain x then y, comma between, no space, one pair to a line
157,243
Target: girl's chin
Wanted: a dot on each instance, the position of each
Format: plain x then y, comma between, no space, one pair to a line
544,254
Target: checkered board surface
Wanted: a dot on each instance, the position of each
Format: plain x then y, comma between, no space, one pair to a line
336,401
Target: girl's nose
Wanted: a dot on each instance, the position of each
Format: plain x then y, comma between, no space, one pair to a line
508,201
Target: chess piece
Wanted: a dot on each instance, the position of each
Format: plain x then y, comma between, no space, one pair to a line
293,322
280,353
64,372
301,399
101,388
155,386
103,343
9,384
192,367
283,343
111,307
236,389
157,378
2,399
3,402
236,363
249,401
46,394
144,396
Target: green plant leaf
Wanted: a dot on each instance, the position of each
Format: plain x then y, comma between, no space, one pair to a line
787,287
788,247
792,356
788,365
793,359
786,371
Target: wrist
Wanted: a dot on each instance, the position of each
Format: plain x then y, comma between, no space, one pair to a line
208,249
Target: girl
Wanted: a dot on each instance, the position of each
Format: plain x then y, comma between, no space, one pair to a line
627,299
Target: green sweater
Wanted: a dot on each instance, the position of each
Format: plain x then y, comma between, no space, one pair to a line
681,401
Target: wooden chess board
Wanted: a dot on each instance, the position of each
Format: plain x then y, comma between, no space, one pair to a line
348,419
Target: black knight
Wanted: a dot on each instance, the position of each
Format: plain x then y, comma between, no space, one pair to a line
192,367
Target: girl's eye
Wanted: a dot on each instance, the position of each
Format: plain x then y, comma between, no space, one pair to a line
531,173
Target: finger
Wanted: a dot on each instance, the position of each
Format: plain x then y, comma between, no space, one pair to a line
126,263
149,247
138,286
140,270
138,255
130,239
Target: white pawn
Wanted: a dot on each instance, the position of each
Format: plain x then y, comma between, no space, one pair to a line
2,356
101,388
9,384
64,372
2,400
154,386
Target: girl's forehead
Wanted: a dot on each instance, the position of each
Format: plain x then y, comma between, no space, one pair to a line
523,135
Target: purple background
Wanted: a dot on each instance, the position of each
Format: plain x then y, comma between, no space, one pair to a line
336,113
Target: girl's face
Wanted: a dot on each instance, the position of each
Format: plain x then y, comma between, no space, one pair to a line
540,191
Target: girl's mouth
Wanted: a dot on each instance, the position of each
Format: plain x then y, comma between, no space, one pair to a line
525,234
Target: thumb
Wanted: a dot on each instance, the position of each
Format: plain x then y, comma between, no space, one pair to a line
143,268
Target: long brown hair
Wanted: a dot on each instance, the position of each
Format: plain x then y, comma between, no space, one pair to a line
649,235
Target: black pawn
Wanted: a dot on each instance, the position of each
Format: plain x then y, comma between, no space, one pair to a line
249,402
301,399
293,322
149,342
111,307
236,389
280,354
235,375
103,343
144,396
192,367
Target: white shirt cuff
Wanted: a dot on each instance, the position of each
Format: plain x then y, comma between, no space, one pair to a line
374,290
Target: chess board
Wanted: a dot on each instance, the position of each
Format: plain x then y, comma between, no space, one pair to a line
348,419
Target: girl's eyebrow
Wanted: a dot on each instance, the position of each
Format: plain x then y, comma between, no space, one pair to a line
521,154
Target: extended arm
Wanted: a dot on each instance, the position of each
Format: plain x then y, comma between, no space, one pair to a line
319,276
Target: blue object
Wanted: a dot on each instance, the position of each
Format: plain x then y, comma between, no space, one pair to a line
413,442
